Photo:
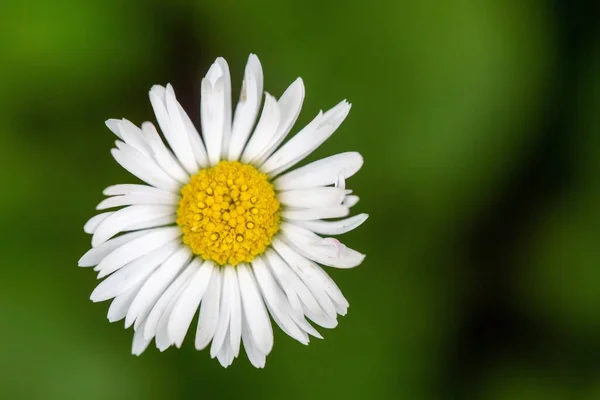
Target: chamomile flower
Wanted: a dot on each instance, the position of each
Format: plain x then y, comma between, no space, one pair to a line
222,227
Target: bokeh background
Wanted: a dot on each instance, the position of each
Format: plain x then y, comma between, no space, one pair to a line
479,123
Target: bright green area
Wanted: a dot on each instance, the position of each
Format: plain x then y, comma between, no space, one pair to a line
446,97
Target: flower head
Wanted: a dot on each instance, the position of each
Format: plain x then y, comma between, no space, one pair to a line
219,227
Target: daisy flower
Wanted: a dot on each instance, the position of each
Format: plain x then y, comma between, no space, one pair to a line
221,226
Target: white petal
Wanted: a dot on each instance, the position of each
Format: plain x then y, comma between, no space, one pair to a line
276,302
322,172
227,106
138,247
130,134
151,323
313,197
121,303
247,107
225,355
97,254
209,311
123,219
155,286
229,297
133,273
264,132
188,303
136,199
167,219
254,309
350,201
304,269
328,251
254,355
213,112
162,155
134,189
92,224
164,102
316,213
143,167
163,340
140,343
290,105
296,290
307,140
334,227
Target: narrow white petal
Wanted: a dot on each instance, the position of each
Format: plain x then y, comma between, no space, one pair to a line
304,269
151,323
213,113
229,295
143,167
188,303
255,311
299,295
96,254
130,134
167,219
155,286
254,355
322,172
134,189
315,213
350,201
187,132
290,105
276,302
235,323
226,106
140,343
334,227
225,355
313,197
163,101
121,303
209,311
124,218
136,199
163,339
139,246
131,274
162,155
92,224
264,132
328,251
307,140
247,107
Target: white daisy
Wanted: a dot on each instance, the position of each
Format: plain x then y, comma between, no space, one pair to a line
220,226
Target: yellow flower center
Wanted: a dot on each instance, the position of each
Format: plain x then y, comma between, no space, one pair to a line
228,213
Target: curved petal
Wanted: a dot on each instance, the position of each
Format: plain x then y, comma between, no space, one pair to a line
209,311
334,227
265,130
254,309
307,140
155,286
123,219
322,172
290,105
184,310
247,108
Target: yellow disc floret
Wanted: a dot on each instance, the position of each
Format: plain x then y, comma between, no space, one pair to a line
228,213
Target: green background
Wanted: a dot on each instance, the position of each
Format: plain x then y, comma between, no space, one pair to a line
479,124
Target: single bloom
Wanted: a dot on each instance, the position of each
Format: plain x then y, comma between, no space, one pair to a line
222,226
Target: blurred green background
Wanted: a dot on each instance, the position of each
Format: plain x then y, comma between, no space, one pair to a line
479,123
